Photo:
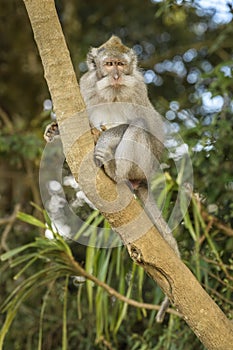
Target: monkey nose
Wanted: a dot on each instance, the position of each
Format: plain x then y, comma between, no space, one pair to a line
116,76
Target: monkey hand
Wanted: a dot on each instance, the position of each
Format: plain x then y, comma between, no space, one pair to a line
96,132
51,132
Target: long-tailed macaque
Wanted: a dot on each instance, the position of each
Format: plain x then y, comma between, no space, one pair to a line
127,147
113,77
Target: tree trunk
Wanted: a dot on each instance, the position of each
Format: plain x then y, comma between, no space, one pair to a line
144,242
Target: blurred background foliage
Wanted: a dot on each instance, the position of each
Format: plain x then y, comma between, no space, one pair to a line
185,53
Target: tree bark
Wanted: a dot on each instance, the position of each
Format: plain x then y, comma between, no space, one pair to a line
144,242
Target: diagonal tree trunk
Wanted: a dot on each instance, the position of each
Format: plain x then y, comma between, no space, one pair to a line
148,249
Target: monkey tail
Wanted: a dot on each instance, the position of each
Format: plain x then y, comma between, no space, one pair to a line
155,215
162,311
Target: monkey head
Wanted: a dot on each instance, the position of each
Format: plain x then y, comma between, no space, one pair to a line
113,60
113,75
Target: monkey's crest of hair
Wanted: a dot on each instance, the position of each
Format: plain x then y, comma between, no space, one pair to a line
114,46
116,43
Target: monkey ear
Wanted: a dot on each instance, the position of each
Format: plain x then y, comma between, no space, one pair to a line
91,58
134,59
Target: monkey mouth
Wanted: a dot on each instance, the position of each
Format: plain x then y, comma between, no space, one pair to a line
110,88
117,83
116,86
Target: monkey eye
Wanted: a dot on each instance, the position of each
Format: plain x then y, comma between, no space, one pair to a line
109,63
114,63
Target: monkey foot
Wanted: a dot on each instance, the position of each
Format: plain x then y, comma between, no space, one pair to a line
135,184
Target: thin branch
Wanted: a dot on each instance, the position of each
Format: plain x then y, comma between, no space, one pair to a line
111,291
4,116
223,227
223,267
212,220
221,281
170,53
31,180
214,292
10,221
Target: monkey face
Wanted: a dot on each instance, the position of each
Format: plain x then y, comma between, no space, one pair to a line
112,60
113,75
115,68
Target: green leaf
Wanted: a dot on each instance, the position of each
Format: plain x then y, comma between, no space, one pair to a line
15,251
64,326
30,220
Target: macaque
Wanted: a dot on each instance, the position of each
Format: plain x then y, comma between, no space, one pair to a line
128,130
113,81
115,84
